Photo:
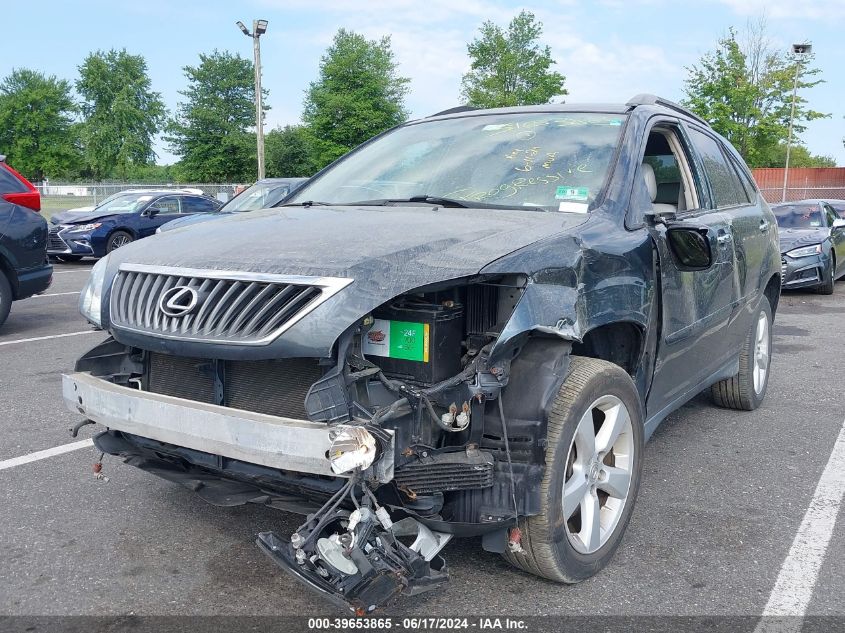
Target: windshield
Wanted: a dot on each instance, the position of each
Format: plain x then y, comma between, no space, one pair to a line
259,196
127,203
798,216
556,161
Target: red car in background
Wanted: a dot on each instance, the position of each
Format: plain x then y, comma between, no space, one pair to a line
24,270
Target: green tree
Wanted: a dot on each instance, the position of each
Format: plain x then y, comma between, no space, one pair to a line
511,68
799,156
122,114
37,130
357,95
289,152
213,130
744,89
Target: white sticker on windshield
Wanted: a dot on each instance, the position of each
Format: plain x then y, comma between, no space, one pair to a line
144,198
491,127
573,207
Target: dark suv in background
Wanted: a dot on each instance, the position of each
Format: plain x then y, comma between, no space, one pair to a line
467,326
24,270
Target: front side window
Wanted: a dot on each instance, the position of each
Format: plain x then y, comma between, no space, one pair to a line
724,182
166,205
554,161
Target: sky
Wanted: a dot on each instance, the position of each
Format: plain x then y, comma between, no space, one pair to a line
609,50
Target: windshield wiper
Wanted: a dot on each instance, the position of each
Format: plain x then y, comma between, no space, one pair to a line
306,204
425,198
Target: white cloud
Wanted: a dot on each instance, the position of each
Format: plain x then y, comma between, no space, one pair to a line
785,9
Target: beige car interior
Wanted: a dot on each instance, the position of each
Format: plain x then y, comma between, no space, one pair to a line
668,193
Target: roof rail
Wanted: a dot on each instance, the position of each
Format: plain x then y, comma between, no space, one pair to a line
647,99
455,110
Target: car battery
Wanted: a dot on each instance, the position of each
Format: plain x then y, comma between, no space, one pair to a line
419,342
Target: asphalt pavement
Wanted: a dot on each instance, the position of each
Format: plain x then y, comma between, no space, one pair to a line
723,496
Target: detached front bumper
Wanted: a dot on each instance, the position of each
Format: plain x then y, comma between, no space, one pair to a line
284,443
802,272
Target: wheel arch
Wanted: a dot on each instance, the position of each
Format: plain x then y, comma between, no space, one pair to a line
772,293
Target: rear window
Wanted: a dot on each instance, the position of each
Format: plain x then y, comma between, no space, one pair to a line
9,183
798,216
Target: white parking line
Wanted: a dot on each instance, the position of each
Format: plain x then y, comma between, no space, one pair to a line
800,571
49,452
54,294
45,338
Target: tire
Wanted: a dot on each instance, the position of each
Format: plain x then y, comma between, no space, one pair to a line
741,392
550,546
118,239
827,287
5,298
69,258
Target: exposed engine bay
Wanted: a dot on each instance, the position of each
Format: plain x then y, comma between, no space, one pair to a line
415,410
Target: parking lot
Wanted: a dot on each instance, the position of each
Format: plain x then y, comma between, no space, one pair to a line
724,494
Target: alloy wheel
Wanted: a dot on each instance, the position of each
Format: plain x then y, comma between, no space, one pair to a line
598,474
761,352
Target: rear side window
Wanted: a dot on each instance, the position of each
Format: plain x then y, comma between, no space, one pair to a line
198,205
727,190
9,183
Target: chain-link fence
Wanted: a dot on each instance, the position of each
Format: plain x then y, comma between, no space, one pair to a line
793,194
61,196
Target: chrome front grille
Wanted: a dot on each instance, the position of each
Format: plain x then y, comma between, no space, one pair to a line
237,308
782,270
55,242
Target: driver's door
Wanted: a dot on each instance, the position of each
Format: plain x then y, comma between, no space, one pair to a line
837,238
159,212
697,304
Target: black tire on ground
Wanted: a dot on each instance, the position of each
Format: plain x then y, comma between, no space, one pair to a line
827,287
547,550
118,239
69,258
5,297
738,392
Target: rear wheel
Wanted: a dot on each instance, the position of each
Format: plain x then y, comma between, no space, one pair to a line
118,239
592,475
746,390
5,297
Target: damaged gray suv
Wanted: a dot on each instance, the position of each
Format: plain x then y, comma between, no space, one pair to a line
468,326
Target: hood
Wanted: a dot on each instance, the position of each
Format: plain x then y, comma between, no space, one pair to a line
795,238
386,251
70,215
192,219
420,244
79,217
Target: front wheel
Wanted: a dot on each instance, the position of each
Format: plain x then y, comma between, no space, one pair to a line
826,288
592,475
5,297
745,391
118,239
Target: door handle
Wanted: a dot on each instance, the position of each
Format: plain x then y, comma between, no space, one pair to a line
764,226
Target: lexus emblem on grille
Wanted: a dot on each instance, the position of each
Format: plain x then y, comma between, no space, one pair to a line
178,301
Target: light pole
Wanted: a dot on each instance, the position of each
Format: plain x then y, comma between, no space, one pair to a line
259,28
799,51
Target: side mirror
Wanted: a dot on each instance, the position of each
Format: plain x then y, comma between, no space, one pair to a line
153,211
839,223
690,247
